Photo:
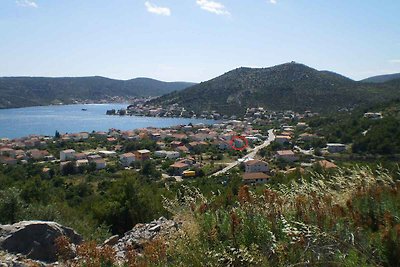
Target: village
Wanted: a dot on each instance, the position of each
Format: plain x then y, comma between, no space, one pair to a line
269,143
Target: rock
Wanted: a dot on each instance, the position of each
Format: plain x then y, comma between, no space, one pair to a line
35,239
111,241
143,233
155,228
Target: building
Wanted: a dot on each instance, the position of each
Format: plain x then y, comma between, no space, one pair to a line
100,163
179,167
373,115
68,154
37,154
142,154
282,139
255,178
8,160
6,151
82,162
127,159
335,147
287,155
256,166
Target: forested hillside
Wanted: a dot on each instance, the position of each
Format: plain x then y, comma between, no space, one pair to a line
32,91
289,86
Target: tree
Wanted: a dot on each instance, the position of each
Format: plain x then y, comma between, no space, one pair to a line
10,205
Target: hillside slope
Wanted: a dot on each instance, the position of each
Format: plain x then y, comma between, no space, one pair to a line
287,86
32,91
382,78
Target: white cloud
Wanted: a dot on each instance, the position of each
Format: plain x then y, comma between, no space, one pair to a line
273,1
213,7
394,61
27,3
164,11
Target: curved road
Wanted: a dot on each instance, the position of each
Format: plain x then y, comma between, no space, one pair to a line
252,154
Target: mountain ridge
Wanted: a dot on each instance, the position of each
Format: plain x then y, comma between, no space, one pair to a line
33,91
382,78
287,86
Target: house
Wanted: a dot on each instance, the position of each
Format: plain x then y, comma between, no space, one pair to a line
107,154
37,154
93,156
301,125
373,115
172,154
82,162
335,147
255,178
256,166
182,149
127,159
307,137
175,144
287,155
179,167
142,154
80,156
8,160
282,139
6,151
100,163
68,154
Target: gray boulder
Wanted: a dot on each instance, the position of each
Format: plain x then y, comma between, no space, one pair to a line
35,239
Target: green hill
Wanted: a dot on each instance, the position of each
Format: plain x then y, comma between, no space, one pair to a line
382,78
288,86
32,91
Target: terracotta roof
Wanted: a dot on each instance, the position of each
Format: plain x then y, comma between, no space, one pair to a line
255,175
128,155
179,165
254,162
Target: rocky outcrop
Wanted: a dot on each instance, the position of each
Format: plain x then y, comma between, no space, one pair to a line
143,233
35,239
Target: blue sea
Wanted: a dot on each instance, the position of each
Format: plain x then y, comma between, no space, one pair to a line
46,120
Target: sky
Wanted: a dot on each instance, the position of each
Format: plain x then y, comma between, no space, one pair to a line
196,40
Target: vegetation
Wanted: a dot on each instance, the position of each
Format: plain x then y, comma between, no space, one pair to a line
382,78
367,136
96,204
289,86
33,91
350,218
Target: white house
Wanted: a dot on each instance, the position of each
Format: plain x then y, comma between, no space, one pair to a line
335,147
172,154
127,159
68,154
256,166
287,155
255,178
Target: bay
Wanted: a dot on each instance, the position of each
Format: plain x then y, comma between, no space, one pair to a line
46,120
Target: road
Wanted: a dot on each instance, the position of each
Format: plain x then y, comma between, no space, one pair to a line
252,154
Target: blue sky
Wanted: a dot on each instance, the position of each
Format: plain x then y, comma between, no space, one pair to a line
195,40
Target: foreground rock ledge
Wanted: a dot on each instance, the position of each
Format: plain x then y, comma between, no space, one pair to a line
35,239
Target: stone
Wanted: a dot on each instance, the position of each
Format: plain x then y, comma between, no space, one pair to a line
35,239
111,241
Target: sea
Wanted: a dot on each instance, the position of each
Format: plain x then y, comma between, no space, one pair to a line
46,120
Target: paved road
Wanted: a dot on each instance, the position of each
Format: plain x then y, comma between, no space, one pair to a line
252,154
